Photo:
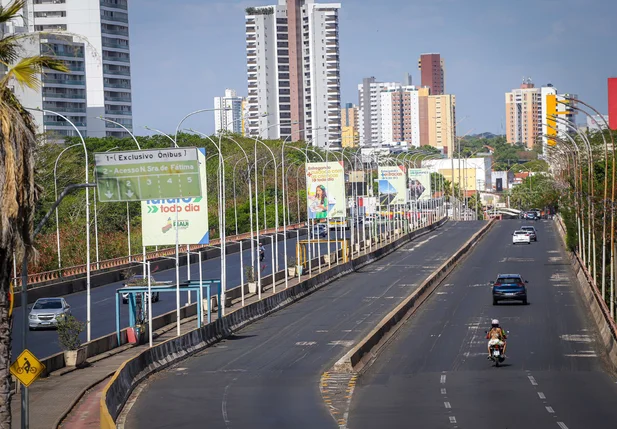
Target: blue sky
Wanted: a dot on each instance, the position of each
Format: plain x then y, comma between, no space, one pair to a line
185,52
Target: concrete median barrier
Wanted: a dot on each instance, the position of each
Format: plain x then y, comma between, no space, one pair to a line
368,347
159,357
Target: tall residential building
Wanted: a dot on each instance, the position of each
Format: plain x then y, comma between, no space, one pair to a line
228,117
400,116
369,110
563,111
441,118
523,114
293,72
349,121
96,52
526,114
612,103
432,73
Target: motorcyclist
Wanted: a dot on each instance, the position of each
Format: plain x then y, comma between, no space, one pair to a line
262,252
496,333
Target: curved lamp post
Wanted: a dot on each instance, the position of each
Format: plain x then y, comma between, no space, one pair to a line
88,267
56,195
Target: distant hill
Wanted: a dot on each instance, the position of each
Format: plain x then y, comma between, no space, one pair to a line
483,136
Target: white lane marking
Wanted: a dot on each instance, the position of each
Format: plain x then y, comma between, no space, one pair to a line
577,338
443,392
224,403
181,369
322,331
550,410
344,343
562,425
447,405
583,355
452,419
306,343
532,380
541,395
443,379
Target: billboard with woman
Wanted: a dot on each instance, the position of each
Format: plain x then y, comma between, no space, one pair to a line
325,182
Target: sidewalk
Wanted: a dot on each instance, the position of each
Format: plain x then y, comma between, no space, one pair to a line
57,401
69,398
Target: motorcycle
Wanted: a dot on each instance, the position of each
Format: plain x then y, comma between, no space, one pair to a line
496,351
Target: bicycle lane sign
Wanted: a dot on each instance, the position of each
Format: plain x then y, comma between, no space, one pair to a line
27,368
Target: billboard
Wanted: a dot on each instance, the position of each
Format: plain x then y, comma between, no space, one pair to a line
419,184
325,182
158,217
392,185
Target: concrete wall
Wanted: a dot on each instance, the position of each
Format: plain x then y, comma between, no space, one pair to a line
157,358
599,310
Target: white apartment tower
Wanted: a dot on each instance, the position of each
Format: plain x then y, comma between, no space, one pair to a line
389,114
97,53
228,116
293,69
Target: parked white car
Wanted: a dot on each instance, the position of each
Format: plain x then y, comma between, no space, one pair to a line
521,237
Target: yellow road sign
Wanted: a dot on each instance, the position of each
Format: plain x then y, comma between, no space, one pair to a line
27,368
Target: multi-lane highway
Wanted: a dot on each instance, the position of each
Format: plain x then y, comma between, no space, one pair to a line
434,374
267,376
45,343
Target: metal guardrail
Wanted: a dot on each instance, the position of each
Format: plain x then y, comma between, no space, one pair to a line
60,274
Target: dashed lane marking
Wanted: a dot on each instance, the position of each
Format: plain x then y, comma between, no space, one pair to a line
443,379
550,410
443,392
562,425
452,419
532,380
541,395
447,405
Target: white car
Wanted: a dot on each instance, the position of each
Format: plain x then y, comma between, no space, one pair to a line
521,237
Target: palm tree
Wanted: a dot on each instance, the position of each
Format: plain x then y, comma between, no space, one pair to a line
18,191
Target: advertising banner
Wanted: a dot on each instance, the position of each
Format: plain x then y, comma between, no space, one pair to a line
419,184
325,182
158,217
392,186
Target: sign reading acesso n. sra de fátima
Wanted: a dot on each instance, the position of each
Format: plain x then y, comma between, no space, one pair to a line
148,174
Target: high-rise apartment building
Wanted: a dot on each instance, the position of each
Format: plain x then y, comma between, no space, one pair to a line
369,110
526,114
432,73
523,114
349,121
400,116
441,122
293,71
612,103
98,56
228,116
565,120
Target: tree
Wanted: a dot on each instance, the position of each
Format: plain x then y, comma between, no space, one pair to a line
18,190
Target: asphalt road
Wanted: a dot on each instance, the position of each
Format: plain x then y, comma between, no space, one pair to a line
267,376
44,343
434,374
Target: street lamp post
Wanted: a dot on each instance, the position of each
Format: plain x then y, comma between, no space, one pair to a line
88,267
56,195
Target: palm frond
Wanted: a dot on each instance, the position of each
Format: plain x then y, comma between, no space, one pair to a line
11,11
25,72
9,49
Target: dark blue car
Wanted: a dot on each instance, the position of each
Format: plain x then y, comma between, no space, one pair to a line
509,287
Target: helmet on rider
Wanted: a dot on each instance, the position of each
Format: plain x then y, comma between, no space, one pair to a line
495,323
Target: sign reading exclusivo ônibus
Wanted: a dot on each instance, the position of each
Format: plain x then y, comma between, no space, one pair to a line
148,174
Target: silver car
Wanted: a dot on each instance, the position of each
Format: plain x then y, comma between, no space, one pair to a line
46,311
